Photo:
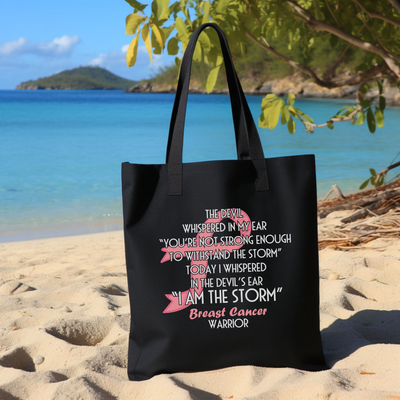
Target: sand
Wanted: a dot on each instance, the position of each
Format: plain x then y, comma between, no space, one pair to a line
64,328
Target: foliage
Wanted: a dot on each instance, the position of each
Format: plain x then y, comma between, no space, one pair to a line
273,107
378,179
365,34
372,180
83,78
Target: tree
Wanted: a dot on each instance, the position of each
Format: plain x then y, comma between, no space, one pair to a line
368,29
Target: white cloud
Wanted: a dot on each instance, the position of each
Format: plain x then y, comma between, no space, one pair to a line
115,61
112,58
13,47
57,47
118,58
108,59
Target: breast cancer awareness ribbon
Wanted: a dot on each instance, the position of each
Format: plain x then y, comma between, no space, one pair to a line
178,303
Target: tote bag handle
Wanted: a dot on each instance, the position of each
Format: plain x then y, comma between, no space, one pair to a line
248,142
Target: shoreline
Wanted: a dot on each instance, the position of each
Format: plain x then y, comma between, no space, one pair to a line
303,88
78,228
50,232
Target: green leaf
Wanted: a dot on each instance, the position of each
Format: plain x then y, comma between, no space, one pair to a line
132,51
360,118
291,126
154,43
291,98
380,119
364,89
205,42
330,125
174,8
182,31
333,40
270,96
157,9
346,113
345,108
372,172
379,82
213,75
318,12
167,31
267,100
364,184
382,103
136,5
222,5
285,115
362,67
146,40
381,180
164,10
206,7
371,121
159,35
197,52
305,117
265,112
254,9
294,114
132,23
261,122
365,103
271,116
274,114
172,46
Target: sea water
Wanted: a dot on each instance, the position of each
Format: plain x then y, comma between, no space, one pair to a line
61,151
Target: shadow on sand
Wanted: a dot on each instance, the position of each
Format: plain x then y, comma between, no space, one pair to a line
364,328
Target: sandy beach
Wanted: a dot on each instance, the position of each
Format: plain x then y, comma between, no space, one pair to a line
65,322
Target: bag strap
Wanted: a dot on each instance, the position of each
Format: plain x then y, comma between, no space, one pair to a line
248,142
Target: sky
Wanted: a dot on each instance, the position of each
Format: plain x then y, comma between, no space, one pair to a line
43,37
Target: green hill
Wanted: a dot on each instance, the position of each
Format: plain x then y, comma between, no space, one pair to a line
88,78
257,66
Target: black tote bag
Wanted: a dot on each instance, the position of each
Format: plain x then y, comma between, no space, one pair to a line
222,256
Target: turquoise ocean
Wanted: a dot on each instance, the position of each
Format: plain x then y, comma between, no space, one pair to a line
61,151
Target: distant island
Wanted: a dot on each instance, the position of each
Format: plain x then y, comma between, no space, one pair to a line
82,78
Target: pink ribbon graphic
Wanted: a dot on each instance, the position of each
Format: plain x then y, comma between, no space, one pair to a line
174,305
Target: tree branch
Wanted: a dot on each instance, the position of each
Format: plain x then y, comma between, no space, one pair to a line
378,175
311,127
322,26
377,16
395,4
375,36
364,76
354,80
294,64
330,71
333,15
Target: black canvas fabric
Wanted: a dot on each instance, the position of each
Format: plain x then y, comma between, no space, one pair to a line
222,256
